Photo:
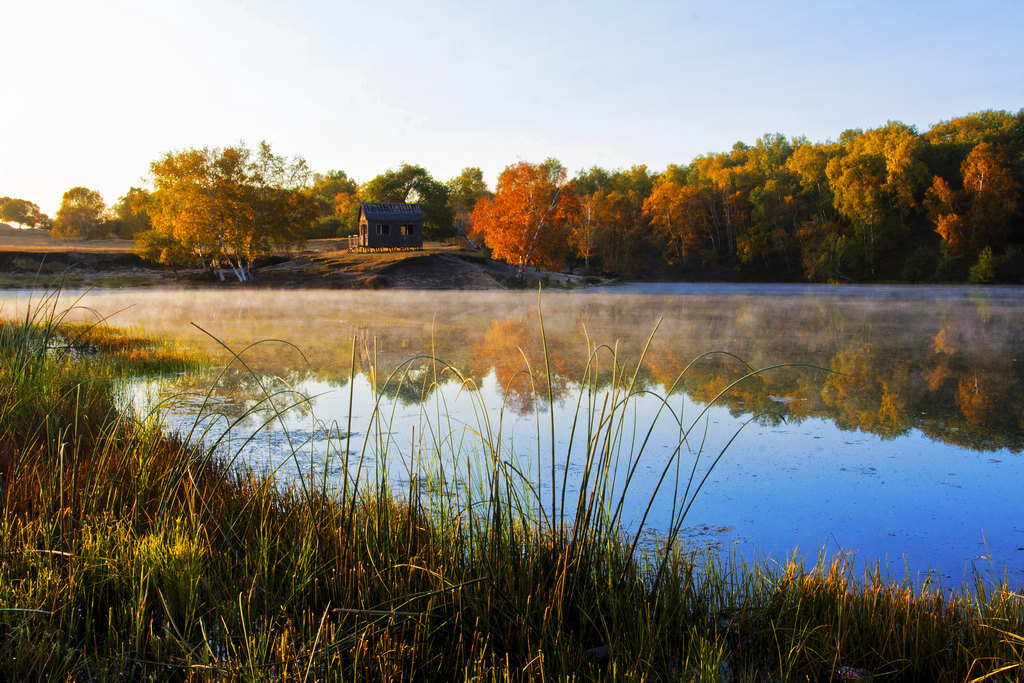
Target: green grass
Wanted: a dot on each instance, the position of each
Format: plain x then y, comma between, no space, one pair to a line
127,554
33,280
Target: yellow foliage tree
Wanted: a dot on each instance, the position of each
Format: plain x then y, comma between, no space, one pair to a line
226,207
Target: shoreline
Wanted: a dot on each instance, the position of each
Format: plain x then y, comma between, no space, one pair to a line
323,265
31,259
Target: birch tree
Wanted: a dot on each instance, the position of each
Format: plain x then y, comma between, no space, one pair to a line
524,224
226,208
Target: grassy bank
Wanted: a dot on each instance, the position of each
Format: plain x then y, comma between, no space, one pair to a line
126,554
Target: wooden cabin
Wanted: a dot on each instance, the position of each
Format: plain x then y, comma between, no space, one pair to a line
388,226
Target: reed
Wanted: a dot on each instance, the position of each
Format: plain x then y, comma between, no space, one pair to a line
126,553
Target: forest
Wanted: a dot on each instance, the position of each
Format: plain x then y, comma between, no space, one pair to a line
886,204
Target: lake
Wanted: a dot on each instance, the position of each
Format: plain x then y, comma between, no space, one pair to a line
888,421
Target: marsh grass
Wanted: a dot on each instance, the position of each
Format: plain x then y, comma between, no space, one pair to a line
129,554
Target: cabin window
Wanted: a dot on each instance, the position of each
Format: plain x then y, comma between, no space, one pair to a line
383,229
407,230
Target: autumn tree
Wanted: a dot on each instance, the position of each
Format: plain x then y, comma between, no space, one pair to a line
944,208
877,181
991,195
588,188
132,210
977,216
80,214
611,228
21,211
629,188
227,207
949,142
856,181
276,206
415,185
825,251
524,223
809,163
681,222
725,180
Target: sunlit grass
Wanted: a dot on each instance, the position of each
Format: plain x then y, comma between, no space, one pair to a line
127,554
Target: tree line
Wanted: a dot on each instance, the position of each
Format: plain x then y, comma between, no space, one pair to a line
889,203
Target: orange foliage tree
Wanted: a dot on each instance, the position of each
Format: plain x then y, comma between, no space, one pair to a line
992,194
974,218
680,220
524,224
942,202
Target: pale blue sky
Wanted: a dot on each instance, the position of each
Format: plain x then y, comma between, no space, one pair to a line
94,90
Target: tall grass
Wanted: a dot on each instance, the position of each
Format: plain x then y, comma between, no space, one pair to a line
129,554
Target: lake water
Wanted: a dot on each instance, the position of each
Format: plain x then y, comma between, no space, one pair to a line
893,428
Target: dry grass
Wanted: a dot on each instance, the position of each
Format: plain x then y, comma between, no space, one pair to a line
15,239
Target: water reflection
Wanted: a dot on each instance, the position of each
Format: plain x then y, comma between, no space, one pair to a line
897,425
946,364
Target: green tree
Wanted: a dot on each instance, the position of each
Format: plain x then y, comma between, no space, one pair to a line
464,190
997,126
328,186
80,214
337,199
413,184
984,269
776,213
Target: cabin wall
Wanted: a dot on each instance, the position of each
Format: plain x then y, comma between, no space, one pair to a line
369,235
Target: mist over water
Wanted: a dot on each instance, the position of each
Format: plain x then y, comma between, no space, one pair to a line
898,438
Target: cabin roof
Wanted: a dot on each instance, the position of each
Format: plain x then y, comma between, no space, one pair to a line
378,211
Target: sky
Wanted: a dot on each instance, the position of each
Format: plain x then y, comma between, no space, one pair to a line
93,91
